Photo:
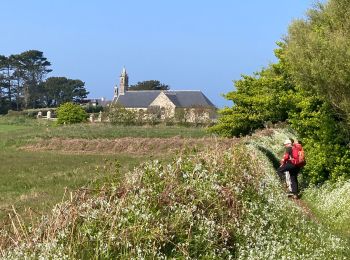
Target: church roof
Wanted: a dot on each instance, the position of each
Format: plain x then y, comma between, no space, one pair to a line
180,98
137,98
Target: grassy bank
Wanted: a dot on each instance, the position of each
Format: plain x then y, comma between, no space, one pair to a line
213,204
331,203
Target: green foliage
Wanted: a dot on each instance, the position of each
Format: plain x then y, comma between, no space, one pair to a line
59,90
119,115
149,85
317,57
324,138
29,70
4,106
277,94
153,115
318,53
69,113
23,85
256,100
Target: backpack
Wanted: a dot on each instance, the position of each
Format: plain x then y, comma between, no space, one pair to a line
298,155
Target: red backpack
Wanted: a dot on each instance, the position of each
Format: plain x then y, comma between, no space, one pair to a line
298,155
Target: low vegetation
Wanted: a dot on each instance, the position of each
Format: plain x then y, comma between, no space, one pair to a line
211,204
135,145
35,179
331,204
154,115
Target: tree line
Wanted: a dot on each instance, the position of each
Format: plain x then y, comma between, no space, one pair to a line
149,85
23,83
309,88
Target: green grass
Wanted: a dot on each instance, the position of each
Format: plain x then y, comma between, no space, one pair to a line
9,128
213,204
91,131
38,180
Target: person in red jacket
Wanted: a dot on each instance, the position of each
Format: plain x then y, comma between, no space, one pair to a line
287,165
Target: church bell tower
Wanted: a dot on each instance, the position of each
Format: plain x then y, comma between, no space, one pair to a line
124,82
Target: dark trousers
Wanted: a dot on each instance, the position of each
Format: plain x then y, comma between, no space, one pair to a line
293,172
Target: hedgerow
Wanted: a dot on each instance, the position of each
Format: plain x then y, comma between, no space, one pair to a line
307,87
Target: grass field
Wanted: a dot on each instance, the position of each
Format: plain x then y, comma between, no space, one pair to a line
38,180
211,201
220,203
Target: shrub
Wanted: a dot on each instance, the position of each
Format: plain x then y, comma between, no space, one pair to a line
69,113
324,137
118,115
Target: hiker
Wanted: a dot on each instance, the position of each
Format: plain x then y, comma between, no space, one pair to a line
288,163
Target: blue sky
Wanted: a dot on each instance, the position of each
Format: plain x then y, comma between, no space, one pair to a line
194,44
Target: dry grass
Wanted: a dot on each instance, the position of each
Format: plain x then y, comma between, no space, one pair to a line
135,146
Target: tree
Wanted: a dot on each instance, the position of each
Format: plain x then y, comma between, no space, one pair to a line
257,99
70,113
318,59
318,54
23,85
59,90
273,95
31,67
323,135
6,87
149,85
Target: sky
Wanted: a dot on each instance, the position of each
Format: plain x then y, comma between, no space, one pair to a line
188,44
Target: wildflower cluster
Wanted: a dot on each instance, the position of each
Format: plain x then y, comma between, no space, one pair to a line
331,202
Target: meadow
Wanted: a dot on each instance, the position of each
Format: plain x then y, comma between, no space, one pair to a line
214,202
34,181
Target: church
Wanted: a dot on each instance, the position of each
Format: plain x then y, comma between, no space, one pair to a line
192,104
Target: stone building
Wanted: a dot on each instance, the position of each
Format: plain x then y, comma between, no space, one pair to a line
193,105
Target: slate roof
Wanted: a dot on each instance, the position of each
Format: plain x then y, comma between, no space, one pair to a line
142,98
180,98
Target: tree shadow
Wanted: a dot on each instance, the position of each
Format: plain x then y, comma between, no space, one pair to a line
273,159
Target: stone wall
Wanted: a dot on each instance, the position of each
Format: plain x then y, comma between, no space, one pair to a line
164,103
